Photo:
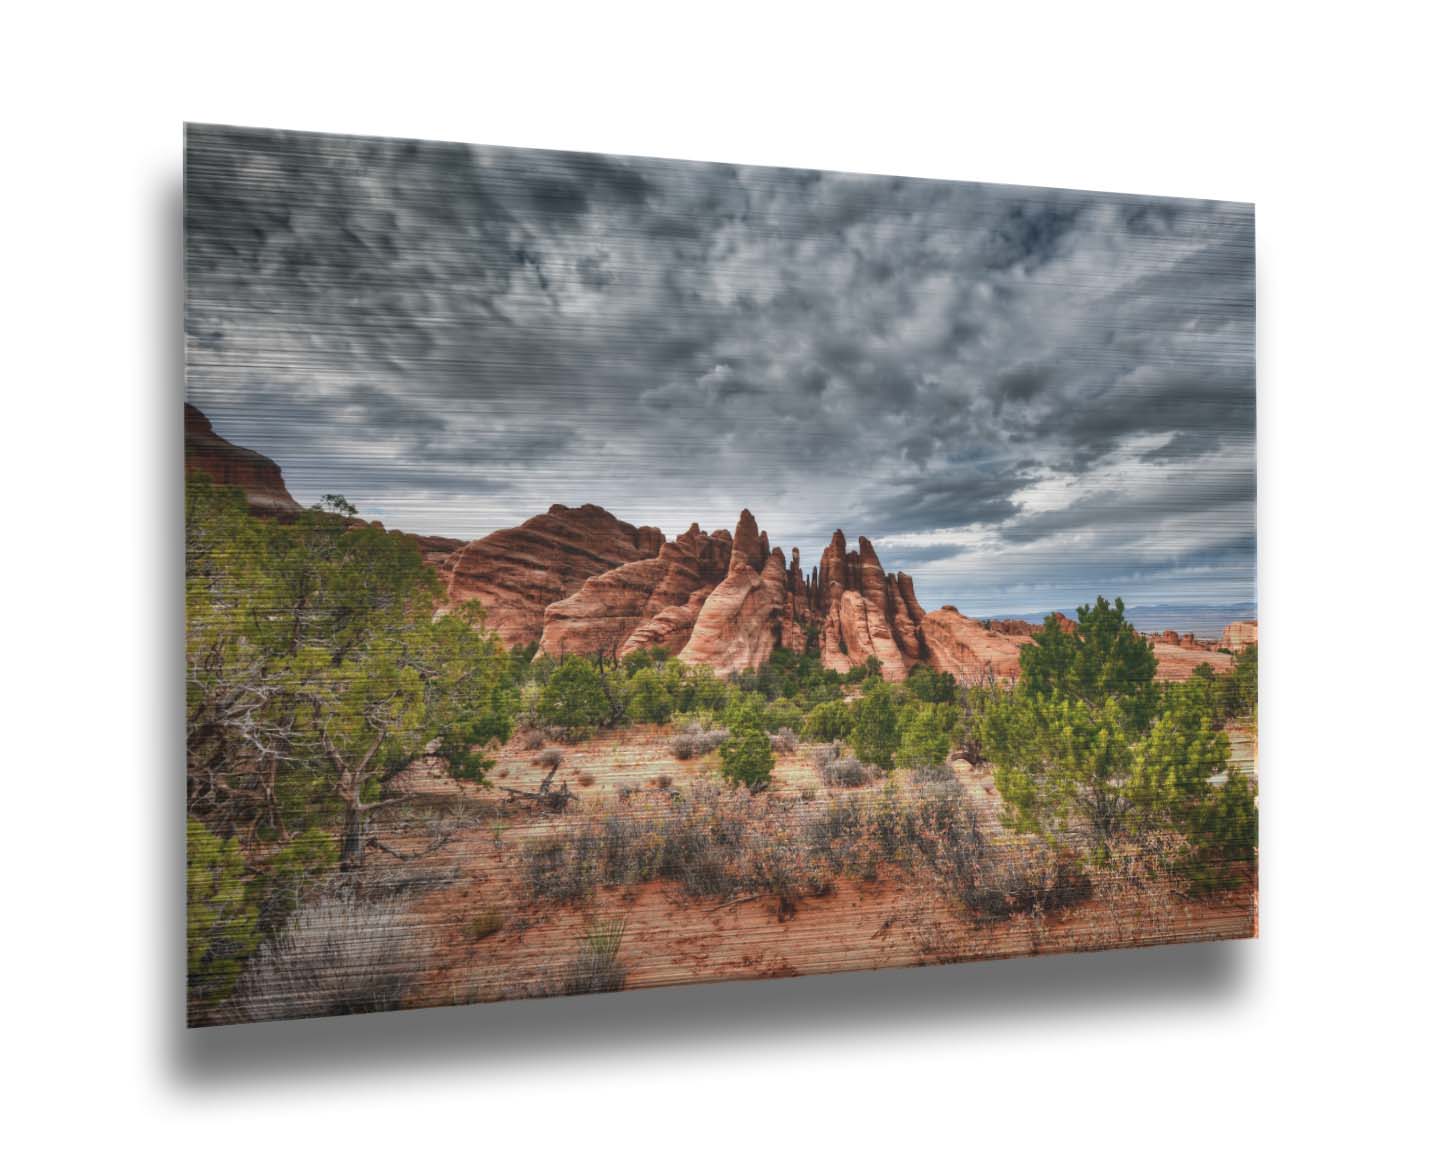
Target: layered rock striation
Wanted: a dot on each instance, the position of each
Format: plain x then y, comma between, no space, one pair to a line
650,603
968,650
739,623
516,573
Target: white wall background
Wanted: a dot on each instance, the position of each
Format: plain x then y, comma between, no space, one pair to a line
1322,1031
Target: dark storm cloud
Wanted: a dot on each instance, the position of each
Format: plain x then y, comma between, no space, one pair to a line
987,381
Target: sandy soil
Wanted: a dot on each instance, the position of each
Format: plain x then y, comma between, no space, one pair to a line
670,939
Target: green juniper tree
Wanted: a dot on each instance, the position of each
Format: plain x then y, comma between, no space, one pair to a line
574,697
1088,744
317,667
875,735
924,737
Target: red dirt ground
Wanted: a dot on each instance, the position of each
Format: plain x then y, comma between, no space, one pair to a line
672,939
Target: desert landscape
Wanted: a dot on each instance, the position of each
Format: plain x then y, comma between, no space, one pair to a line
578,756
605,572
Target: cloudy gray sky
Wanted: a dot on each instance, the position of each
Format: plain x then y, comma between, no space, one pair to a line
1023,396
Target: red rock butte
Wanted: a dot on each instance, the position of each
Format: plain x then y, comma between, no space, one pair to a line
257,476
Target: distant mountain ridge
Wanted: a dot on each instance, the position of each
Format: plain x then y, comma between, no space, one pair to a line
581,581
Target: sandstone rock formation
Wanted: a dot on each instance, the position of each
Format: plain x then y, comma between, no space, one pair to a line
1188,640
862,612
517,572
968,650
848,607
743,619
226,463
646,603
1240,634
579,580
433,549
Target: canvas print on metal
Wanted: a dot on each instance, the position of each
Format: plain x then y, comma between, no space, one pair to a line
603,573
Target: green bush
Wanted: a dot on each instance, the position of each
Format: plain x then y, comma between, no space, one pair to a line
290,873
931,687
799,676
829,722
649,700
1240,689
924,737
745,710
1062,766
697,689
574,697
783,714
746,758
222,922
870,670
876,732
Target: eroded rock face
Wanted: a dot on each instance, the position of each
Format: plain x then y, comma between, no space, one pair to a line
1240,634
848,607
658,598
968,650
226,463
517,572
863,612
743,618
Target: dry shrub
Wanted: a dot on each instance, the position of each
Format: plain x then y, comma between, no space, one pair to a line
784,742
562,868
994,877
663,782
402,878
838,770
585,779
550,758
342,953
778,863
837,833
1026,876
932,773
703,838
531,738
695,740
717,843
1141,890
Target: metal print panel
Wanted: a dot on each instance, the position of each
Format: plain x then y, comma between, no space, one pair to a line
604,573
